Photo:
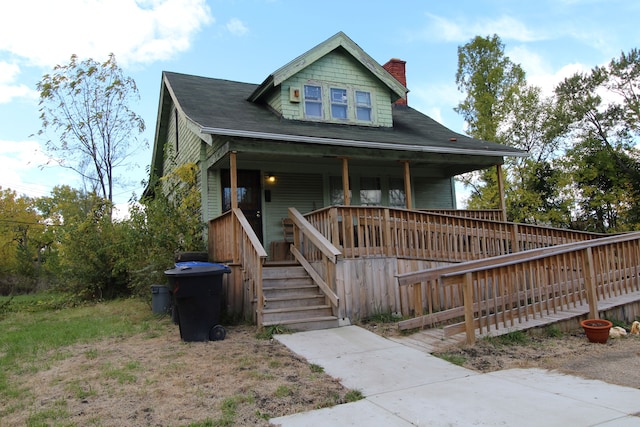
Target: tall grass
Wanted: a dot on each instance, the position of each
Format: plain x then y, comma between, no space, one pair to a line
33,333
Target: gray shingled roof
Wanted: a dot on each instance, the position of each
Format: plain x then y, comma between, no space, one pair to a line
222,104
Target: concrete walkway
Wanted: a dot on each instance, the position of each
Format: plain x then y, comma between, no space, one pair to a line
407,387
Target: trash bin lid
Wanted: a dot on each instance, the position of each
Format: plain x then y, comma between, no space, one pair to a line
195,264
197,268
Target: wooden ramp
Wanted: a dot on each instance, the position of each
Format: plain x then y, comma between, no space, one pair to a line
434,340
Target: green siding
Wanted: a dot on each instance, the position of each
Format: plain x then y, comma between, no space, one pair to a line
276,99
335,70
433,193
188,150
302,191
214,203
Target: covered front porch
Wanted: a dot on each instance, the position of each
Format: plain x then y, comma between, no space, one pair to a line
267,180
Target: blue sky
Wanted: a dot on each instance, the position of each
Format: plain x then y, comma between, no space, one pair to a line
247,40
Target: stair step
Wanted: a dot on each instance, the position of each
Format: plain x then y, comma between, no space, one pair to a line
290,291
296,309
291,298
293,301
287,282
307,324
283,272
279,315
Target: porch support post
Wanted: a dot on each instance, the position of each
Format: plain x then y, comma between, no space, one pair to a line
233,171
407,185
503,206
345,181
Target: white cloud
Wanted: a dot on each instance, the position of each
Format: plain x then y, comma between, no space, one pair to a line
539,72
237,27
46,33
8,88
508,28
20,167
437,101
24,153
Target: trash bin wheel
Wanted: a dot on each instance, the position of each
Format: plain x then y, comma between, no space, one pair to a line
217,333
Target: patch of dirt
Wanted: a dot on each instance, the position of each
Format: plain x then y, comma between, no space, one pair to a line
155,379
616,362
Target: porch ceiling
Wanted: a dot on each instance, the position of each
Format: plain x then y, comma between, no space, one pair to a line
283,153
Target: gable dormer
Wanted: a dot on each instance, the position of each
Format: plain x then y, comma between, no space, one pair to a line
335,82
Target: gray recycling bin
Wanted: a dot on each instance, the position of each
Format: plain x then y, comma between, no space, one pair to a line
160,299
197,293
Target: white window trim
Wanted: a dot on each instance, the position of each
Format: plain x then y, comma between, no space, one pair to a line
326,103
345,102
357,105
313,101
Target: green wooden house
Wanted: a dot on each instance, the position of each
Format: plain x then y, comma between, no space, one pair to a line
330,128
331,111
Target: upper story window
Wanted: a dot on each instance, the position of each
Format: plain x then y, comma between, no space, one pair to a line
363,106
347,104
313,101
339,103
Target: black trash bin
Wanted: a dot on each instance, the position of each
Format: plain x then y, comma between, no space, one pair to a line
197,292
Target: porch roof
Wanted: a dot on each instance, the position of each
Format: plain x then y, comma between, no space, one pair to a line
221,107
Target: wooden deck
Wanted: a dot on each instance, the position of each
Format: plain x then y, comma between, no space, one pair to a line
439,268
434,340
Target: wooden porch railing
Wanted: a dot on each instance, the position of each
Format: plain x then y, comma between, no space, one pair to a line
488,214
377,231
232,240
317,256
503,291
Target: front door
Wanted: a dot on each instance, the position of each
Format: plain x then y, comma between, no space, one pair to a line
249,196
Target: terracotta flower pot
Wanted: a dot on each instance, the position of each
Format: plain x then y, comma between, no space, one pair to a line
597,330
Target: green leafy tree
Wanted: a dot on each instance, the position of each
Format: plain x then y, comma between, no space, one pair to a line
86,104
535,185
600,109
163,225
604,197
21,242
62,210
490,80
87,245
623,79
537,197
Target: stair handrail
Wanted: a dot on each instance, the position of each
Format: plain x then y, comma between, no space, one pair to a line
330,253
251,255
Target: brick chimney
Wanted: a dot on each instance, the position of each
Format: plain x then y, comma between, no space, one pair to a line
397,68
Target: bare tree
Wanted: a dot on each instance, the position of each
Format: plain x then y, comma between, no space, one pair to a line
86,104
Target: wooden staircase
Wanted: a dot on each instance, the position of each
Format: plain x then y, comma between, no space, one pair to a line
293,300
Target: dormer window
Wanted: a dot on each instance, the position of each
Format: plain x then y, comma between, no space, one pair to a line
313,101
363,106
339,103
326,102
